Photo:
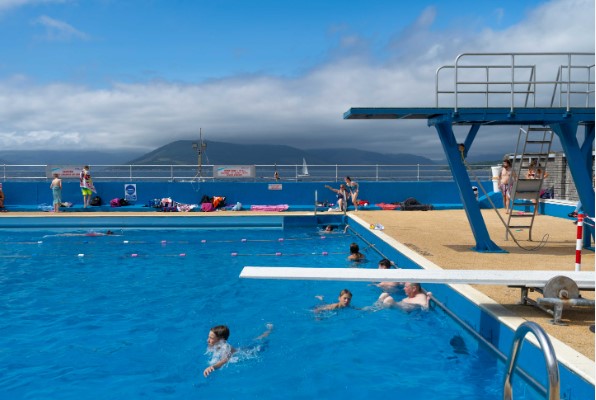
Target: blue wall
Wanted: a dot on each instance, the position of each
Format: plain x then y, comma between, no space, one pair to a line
293,193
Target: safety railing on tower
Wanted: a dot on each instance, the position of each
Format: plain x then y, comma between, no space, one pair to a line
516,80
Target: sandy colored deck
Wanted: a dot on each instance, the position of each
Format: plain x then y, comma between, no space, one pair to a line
445,238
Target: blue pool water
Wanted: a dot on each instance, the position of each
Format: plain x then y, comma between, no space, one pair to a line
128,317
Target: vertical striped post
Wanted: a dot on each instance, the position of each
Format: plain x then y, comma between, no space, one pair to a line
579,242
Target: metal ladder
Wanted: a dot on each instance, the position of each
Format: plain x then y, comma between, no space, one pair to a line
554,384
533,146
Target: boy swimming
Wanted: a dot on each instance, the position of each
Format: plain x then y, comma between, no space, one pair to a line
220,349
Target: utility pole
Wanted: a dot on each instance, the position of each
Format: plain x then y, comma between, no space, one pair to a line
200,149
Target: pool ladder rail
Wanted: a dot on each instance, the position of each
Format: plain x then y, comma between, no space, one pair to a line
553,390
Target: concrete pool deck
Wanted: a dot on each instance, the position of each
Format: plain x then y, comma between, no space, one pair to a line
445,238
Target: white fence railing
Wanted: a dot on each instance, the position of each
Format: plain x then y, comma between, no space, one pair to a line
263,173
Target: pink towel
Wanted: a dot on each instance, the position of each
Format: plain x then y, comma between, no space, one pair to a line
279,207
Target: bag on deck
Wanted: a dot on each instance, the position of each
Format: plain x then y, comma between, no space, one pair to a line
206,207
95,201
411,204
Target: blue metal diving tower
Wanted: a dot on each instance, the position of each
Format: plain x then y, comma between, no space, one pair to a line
554,90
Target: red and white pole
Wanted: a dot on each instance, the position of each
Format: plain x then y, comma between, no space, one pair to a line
579,242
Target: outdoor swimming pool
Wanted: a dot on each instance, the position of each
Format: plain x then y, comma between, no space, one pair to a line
128,317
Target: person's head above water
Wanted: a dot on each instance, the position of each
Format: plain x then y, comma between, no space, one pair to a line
354,248
345,297
218,333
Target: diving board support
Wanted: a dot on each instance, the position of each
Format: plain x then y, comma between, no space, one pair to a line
484,243
579,161
470,138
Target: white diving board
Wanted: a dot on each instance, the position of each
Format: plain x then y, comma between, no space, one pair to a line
535,279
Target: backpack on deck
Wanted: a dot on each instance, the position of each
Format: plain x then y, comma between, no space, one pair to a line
95,201
115,202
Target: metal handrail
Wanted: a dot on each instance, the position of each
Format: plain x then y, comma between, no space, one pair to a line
264,172
553,389
514,83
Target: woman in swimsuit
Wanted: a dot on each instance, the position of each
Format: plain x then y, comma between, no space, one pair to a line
353,188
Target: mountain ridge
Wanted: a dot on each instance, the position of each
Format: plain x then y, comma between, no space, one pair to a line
182,152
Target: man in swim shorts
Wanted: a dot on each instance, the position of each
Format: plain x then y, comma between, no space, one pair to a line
506,183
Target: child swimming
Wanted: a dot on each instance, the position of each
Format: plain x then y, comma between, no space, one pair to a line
343,301
221,351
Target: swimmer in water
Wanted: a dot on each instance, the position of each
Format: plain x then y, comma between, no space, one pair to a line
217,344
90,233
355,254
344,300
388,286
414,297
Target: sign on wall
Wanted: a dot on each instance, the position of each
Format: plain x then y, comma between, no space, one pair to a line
65,171
275,186
233,171
130,192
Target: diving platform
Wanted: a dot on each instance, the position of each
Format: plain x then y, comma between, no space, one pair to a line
585,280
554,90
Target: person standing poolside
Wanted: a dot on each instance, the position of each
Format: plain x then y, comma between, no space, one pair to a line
344,300
414,297
56,187
506,183
86,184
353,188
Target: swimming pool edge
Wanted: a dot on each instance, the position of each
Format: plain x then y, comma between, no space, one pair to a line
576,362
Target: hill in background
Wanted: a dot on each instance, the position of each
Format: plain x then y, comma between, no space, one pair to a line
182,152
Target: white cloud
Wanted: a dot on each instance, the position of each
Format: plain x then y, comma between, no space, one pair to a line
6,5
304,111
59,30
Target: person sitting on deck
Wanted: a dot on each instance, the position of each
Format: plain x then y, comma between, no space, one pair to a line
342,199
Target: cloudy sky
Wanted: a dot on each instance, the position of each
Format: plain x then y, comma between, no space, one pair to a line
138,74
